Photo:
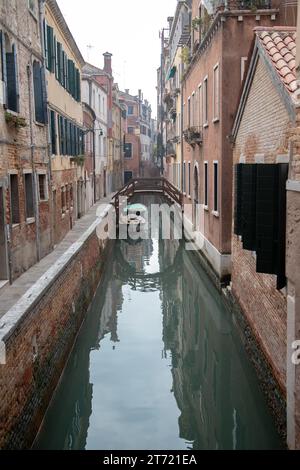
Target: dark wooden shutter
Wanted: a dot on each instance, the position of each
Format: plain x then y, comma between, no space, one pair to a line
4,69
78,97
45,40
282,179
238,199
40,112
248,211
12,82
50,49
53,131
267,218
57,47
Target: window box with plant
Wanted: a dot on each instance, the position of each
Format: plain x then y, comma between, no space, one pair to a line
193,136
14,120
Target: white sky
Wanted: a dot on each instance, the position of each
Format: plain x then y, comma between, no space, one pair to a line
129,29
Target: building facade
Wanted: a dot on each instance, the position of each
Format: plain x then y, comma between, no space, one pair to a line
261,168
90,175
25,206
96,97
215,62
64,64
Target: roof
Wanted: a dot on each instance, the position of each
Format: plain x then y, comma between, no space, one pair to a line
90,69
59,18
280,45
276,46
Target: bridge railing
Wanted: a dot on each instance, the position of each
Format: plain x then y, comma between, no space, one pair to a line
149,185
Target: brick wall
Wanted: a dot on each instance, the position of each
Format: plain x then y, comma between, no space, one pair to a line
262,135
22,30
38,347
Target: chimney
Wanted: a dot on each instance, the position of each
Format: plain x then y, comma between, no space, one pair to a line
170,21
107,63
127,91
140,95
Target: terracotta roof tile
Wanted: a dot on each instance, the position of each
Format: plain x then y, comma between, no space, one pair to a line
279,44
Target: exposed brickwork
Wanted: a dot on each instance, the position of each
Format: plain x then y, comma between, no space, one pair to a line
47,331
262,136
15,143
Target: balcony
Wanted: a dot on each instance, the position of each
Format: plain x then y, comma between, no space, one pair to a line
245,4
193,136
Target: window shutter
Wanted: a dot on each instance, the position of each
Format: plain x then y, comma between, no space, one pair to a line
38,93
57,55
11,68
238,199
248,209
50,49
78,86
65,137
3,61
45,40
267,218
283,170
53,131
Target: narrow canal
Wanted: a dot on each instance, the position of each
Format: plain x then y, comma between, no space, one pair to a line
158,364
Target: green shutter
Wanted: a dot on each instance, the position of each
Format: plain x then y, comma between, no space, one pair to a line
50,49
12,81
248,208
40,111
53,132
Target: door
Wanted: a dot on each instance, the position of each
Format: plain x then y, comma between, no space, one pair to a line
104,183
3,245
127,176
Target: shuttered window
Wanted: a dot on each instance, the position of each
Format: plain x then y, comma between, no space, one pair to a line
14,199
260,215
249,206
53,132
40,108
50,57
29,195
12,80
238,199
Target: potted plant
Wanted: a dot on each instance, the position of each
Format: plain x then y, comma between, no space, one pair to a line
14,120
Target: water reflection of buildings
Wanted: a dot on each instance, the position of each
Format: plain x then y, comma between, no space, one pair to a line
69,430
213,384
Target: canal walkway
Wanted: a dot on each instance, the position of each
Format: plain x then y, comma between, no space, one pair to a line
10,295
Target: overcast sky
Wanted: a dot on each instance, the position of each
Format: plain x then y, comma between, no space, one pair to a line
129,30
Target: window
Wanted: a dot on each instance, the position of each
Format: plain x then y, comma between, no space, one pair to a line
39,104
193,110
216,189
205,102
260,215
43,193
243,67
128,151
189,178
29,195
52,130
14,199
130,110
189,113
32,6
10,70
206,184
63,200
216,96
184,178
200,105
67,197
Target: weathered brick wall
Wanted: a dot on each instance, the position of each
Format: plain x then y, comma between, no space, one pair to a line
262,135
38,348
21,28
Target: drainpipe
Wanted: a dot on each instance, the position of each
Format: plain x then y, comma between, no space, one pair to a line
94,162
35,194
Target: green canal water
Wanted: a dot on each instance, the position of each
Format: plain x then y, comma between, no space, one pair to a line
158,364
